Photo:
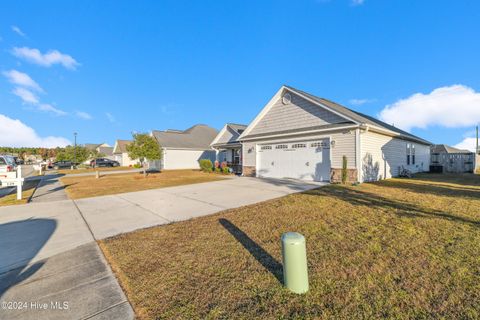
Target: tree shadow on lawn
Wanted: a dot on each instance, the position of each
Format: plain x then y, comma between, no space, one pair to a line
402,209
260,254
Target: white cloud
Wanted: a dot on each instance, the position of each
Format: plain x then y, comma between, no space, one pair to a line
21,79
83,115
453,106
49,108
14,133
467,144
357,2
45,59
359,102
18,31
26,95
110,117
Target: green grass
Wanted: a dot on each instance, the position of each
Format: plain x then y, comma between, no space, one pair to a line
398,249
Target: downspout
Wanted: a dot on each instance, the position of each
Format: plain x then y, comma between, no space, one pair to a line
358,154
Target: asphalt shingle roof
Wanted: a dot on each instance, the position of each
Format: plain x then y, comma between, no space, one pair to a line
121,146
357,116
443,148
197,137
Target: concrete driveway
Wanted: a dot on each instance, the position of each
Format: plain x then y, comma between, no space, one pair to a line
111,215
48,252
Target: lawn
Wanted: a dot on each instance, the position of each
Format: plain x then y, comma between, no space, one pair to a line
89,186
28,189
87,170
400,248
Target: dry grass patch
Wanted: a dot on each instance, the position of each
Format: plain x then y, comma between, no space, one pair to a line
89,186
91,170
27,191
398,249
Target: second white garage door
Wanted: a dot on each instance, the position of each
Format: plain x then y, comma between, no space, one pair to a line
308,160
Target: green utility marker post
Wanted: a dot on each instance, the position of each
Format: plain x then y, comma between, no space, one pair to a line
295,271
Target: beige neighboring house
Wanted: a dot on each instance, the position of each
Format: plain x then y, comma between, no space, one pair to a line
104,149
120,153
181,149
301,136
451,160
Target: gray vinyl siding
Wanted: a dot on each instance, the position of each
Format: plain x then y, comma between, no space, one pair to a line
344,145
249,154
227,136
382,156
300,113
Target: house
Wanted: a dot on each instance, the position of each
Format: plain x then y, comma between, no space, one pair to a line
227,146
301,136
104,149
452,160
120,153
181,149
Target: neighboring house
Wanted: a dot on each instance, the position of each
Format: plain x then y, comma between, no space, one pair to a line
183,149
301,136
452,160
102,148
227,146
120,153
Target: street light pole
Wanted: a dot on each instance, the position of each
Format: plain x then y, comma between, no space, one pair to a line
75,150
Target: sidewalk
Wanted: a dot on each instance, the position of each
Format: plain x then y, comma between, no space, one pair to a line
50,189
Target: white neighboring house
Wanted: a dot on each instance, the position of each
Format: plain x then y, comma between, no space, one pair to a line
120,153
301,136
181,149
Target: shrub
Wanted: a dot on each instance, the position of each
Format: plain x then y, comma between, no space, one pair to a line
223,164
137,165
344,170
218,170
217,164
226,170
205,165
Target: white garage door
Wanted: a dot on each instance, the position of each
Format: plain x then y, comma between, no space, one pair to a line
308,160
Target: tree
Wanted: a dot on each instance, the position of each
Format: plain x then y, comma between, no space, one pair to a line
78,154
144,147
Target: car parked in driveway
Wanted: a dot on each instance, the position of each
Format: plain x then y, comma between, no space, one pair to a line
7,164
61,164
104,162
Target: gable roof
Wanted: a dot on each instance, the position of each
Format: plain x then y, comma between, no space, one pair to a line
235,130
121,146
350,115
443,148
107,151
197,137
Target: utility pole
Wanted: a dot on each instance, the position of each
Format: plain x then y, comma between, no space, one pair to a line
75,150
477,150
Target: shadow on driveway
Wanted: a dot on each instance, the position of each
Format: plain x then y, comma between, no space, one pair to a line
20,242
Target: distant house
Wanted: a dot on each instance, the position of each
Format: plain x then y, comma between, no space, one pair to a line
181,149
444,158
120,153
102,148
227,146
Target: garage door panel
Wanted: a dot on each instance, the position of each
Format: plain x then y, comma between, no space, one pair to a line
300,160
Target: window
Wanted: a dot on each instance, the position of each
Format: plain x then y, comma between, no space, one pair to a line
2,161
410,153
266,148
434,158
281,146
299,145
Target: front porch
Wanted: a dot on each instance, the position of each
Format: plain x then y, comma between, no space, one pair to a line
231,154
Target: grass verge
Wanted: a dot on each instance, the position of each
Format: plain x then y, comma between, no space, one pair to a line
400,248
28,189
90,170
89,186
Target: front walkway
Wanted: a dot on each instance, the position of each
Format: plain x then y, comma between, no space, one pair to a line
49,189
48,253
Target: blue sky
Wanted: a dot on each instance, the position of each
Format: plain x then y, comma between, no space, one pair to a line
107,68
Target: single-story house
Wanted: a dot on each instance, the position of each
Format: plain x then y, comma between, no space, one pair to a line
120,153
301,136
103,149
181,149
449,159
227,146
